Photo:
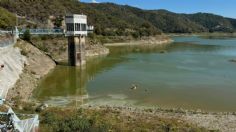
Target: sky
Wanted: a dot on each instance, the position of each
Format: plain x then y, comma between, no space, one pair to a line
225,8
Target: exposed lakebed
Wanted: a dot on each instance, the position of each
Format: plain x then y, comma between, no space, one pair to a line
191,73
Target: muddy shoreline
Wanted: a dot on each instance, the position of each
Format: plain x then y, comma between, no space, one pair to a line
161,40
212,121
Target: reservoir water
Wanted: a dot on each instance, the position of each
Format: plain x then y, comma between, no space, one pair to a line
191,73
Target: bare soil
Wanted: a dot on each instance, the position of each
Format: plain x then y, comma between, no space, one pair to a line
38,65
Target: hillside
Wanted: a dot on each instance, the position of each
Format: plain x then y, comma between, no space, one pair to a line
171,22
6,18
213,22
112,19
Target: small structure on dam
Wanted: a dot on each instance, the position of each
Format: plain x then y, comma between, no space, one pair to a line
76,31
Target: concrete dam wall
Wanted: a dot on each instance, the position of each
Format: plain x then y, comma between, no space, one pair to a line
13,62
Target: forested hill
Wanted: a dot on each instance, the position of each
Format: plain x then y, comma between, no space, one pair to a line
113,19
6,18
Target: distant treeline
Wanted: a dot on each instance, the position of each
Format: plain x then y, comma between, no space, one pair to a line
120,20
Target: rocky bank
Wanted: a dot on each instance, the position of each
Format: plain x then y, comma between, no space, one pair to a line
56,48
36,66
156,40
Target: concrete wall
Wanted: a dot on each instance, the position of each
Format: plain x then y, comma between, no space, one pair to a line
75,46
13,63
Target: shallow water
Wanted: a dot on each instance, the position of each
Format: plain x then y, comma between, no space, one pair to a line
193,73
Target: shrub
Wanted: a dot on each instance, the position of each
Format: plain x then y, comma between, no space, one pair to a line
43,47
23,52
71,121
27,36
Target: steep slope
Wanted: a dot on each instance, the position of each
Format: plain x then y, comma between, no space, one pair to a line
212,22
171,22
13,63
37,65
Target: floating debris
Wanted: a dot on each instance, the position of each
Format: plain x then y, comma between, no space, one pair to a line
233,60
42,107
134,87
163,51
1,67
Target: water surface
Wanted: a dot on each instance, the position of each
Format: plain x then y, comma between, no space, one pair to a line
192,73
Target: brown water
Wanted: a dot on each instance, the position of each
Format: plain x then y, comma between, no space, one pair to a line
194,73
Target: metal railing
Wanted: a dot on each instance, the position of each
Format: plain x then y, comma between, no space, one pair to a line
3,32
43,31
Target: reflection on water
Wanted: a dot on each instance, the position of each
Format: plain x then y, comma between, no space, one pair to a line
192,73
219,37
64,85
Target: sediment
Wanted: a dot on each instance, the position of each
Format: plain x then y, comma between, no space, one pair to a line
157,40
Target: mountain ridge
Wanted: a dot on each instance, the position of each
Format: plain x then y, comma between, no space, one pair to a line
113,19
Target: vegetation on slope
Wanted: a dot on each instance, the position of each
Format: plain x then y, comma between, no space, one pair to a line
167,21
55,119
121,20
213,22
105,120
7,19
